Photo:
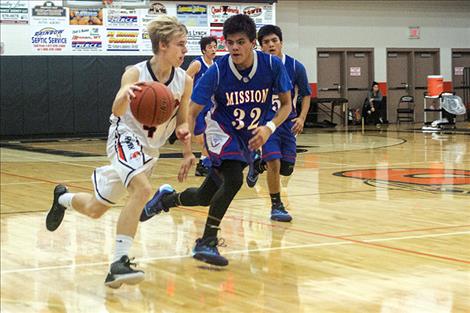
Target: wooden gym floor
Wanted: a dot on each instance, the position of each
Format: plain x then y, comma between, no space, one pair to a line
381,224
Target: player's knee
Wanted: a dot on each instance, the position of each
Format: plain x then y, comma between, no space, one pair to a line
287,168
274,165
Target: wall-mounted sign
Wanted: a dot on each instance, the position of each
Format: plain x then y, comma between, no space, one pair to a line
414,32
355,71
458,71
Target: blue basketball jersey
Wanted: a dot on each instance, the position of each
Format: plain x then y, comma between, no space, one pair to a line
239,101
204,67
300,85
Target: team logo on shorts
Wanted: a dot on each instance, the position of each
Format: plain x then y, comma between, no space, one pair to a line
215,141
135,154
419,179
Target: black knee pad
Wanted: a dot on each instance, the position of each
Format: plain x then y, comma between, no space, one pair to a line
287,168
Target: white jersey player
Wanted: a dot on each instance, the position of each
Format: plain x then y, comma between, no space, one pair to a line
133,148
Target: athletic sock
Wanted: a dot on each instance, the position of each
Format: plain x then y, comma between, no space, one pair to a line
123,245
275,199
66,200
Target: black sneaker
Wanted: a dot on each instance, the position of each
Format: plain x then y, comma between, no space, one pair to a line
206,250
121,272
57,211
201,170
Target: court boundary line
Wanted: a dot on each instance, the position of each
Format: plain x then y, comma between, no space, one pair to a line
362,242
314,245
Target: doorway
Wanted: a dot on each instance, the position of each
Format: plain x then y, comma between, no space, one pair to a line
461,61
407,72
345,73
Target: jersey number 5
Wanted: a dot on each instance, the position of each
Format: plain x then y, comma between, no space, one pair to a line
239,122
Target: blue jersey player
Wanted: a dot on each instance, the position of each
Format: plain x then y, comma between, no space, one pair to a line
238,88
196,70
279,152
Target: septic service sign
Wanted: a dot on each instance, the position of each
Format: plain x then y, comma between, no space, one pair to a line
49,39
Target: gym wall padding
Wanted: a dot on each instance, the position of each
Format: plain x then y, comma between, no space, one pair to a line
59,96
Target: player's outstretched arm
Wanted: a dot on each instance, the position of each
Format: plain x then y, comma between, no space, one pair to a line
129,83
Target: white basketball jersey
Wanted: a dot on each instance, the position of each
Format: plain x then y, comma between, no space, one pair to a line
151,139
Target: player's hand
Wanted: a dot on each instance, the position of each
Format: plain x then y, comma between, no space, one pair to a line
298,125
260,136
183,134
130,90
188,161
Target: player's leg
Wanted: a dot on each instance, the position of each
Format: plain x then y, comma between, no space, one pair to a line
120,271
232,179
84,203
280,150
166,197
273,177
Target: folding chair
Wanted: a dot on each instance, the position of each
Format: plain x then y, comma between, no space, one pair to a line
406,109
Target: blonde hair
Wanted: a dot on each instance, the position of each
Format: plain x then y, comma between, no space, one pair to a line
163,28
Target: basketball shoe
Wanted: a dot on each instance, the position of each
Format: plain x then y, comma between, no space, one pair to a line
206,250
201,170
254,169
279,213
155,205
121,272
57,211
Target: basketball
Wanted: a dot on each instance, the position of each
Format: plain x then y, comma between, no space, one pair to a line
153,105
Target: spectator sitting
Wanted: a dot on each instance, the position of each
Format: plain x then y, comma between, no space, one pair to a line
372,105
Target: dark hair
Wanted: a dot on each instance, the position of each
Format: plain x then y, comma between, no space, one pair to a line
267,30
374,83
240,23
206,41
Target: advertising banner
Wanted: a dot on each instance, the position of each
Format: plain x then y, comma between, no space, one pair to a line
261,14
87,39
49,14
86,16
121,18
192,15
194,36
14,11
218,14
122,39
49,39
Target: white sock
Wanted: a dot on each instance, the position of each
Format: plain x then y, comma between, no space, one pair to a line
66,200
123,245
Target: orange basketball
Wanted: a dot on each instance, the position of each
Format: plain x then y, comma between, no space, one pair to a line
153,105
